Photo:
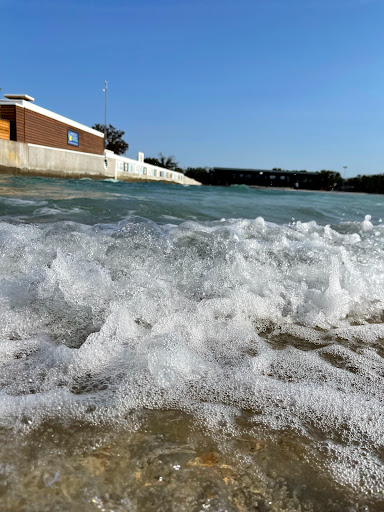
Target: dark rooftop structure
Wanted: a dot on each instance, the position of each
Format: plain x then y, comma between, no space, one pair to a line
227,176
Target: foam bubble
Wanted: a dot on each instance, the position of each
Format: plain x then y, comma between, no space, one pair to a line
284,322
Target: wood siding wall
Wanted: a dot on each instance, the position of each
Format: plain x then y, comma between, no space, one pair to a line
34,128
8,112
4,129
20,124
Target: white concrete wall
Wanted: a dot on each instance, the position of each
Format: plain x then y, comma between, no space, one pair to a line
127,169
67,163
13,156
30,159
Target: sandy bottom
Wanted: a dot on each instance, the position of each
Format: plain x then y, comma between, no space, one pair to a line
169,464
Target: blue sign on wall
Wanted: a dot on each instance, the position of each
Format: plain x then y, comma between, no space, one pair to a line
73,138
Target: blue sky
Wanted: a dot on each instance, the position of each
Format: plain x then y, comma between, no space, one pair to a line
296,84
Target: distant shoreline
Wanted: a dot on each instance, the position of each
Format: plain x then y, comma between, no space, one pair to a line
291,189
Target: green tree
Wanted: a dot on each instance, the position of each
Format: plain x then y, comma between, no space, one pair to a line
371,184
167,162
330,180
114,138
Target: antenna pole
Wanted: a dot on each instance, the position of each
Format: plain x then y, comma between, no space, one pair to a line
105,113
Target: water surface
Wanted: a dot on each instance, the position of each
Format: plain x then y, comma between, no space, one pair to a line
190,348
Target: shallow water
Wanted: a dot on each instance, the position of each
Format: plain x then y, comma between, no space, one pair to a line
181,348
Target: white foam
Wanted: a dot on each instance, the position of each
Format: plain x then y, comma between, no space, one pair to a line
211,318
16,201
367,224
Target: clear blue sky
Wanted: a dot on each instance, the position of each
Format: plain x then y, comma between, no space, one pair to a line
297,84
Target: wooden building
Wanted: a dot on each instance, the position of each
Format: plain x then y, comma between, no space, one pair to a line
32,124
5,131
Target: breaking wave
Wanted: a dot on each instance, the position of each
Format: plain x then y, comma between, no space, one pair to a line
278,326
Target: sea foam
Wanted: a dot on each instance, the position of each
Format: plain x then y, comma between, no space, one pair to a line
215,319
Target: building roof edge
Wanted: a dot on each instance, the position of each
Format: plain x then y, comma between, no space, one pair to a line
48,113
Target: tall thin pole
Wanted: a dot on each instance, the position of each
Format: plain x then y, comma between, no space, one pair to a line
105,113
345,167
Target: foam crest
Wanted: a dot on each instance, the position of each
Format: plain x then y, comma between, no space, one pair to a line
215,319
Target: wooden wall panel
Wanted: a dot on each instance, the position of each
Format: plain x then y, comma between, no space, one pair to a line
9,112
49,132
4,129
29,126
20,124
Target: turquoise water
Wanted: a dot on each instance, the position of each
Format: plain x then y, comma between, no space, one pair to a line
170,348
87,201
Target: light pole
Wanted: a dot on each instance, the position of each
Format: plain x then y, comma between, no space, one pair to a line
105,113
345,167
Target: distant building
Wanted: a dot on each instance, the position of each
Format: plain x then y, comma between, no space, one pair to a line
37,142
32,124
227,176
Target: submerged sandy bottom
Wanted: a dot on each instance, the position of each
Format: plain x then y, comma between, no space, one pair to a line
169,464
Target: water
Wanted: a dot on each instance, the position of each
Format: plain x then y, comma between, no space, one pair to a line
179,348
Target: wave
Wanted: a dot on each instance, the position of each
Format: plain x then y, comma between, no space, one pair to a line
213,318
241,188
17,202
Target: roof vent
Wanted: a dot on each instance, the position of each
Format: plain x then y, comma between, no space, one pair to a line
19,97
